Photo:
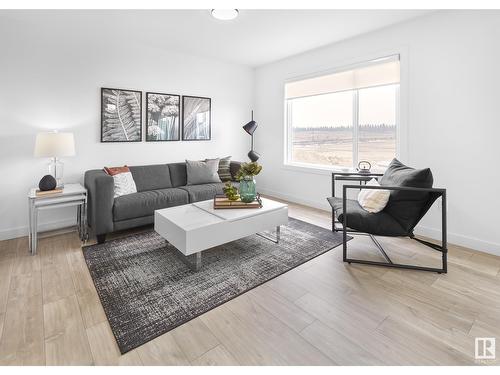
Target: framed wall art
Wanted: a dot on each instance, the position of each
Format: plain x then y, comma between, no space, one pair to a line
162,117
121,115
196,118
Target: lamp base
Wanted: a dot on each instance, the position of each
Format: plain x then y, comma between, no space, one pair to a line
253,156
56,169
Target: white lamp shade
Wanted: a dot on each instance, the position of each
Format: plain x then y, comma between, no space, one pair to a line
54,145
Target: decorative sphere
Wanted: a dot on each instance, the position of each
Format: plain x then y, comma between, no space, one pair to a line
47,182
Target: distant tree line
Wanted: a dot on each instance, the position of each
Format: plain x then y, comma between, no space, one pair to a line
379,127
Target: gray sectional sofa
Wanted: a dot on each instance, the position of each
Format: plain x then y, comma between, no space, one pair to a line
158,186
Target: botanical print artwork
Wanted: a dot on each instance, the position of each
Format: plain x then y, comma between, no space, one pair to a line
162,121
121,115
195,118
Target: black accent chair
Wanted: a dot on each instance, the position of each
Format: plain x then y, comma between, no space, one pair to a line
412,195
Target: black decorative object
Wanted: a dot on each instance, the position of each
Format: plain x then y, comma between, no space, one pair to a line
196,118
48,182
250,128
121,115
162,117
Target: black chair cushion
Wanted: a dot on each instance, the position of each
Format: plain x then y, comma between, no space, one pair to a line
406,207
381,223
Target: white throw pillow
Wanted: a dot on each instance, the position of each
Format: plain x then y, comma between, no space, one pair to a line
373,200
124,184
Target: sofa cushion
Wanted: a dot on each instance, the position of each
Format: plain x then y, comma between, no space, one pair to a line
202,172
406,206
146,202
178,174
380,223
151,177
205,191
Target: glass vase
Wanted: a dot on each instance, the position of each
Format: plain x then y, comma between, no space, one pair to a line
247,189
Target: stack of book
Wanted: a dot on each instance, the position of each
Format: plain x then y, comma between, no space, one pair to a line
221,201
47,193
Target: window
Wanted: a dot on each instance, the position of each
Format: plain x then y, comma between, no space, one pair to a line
337,120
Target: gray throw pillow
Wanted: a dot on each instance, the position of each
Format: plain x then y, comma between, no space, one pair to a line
202,172
224,168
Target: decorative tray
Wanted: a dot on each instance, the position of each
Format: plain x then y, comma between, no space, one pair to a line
221,202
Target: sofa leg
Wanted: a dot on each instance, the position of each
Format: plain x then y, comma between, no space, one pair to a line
101,238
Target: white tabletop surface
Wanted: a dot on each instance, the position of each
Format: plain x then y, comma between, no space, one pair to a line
232,214
201,214
188,217
69,189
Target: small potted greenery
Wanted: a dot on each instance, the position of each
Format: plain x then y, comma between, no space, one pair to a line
230,191
246,177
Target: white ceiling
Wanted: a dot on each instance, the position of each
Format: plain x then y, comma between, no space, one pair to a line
256,37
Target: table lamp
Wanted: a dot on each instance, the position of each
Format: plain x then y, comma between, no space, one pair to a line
55,145
250,128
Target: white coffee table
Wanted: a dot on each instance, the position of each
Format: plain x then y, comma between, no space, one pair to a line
195,227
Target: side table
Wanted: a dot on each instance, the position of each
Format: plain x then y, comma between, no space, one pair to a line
72,195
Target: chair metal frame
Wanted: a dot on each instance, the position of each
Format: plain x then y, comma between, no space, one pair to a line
443,248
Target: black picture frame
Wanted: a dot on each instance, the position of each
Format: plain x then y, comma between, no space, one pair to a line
149,119
112,127
187,106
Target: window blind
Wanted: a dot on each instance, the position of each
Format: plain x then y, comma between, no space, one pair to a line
377,72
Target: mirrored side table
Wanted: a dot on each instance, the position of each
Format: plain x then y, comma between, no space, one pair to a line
72,195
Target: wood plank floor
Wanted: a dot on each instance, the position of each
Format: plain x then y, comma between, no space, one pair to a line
324,312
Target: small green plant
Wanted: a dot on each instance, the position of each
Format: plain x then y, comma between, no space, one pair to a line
230,191
248,169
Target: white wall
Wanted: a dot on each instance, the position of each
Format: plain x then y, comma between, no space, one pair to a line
51,79
452,108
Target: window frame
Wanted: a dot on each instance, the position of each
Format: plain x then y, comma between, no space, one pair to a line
401,114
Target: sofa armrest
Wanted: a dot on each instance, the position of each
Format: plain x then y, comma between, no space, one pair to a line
234,167
100,190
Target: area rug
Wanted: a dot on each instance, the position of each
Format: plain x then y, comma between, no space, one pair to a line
146,289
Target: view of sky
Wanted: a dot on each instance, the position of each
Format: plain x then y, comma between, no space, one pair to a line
377,105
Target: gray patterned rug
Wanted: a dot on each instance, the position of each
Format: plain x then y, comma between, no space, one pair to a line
147,290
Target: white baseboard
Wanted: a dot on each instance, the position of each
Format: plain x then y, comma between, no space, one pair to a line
453,238
295,199
461,240
42,227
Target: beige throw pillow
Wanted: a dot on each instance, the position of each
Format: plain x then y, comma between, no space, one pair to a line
373,200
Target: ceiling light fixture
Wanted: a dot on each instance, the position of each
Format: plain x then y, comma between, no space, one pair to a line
224,14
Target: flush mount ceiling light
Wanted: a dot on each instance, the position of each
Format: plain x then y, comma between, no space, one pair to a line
225,14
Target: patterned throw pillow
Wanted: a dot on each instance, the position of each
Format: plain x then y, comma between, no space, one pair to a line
124,182
224,172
